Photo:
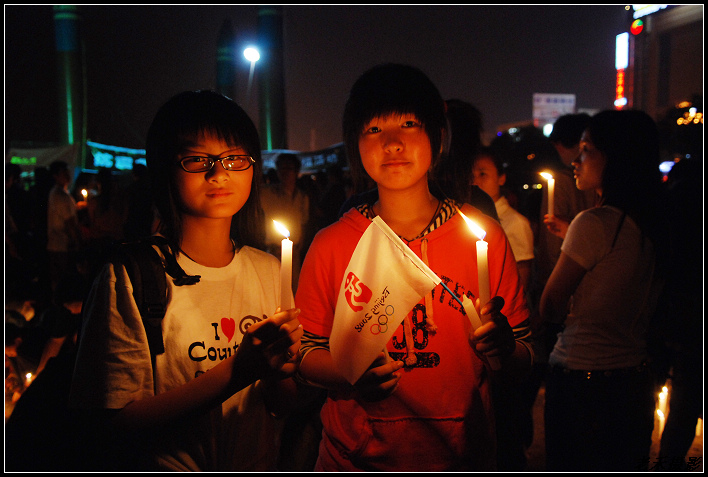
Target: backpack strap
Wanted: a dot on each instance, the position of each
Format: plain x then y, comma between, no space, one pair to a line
147,276
146,268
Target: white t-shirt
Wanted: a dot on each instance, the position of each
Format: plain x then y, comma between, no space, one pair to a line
517,229
610,309
203,325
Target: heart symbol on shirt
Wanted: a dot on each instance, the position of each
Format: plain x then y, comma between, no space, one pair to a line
228,326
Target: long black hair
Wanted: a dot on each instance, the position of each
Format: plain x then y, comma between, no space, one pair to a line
631,180
179,121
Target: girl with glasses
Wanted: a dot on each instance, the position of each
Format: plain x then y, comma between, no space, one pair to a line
209,402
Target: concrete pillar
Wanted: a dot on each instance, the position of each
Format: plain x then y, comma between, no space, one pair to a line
226,61
271,88
71,78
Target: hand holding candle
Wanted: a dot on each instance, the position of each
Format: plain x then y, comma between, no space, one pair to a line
551,185
286,267
476,322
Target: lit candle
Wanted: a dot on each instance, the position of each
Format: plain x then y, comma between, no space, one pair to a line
286,267
551,185
483,272
663,396
661,408
482,262
84,193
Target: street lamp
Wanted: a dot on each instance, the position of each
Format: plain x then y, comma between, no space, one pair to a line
251,54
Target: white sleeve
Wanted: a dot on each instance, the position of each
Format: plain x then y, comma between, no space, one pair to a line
585,242
113,365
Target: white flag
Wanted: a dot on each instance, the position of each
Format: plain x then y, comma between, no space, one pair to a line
383,282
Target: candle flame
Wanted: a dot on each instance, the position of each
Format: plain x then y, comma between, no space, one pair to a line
281,228
476,229
84,192
547,175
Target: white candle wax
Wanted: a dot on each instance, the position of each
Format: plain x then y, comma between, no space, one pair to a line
663,395
551,185
286,273
483,273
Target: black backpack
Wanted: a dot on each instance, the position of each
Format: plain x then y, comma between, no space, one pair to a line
43,433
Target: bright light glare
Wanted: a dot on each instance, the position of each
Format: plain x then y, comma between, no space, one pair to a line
546,176
476,229
622,51
251,54
666,166
281,228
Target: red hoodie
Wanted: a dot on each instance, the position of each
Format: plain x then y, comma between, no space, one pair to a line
440,418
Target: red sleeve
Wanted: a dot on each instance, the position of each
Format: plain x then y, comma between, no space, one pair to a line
321,276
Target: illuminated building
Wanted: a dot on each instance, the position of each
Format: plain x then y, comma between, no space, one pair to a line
663,48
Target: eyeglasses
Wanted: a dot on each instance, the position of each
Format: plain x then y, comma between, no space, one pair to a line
203,164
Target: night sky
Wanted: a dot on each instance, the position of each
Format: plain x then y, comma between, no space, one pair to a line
495,57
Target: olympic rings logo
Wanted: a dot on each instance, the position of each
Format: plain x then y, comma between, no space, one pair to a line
382,325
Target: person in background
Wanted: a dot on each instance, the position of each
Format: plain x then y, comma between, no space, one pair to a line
333,196
488,174
139,222
599,394
63,231
436,414
106,216
289,205
18,213
61,322
682,308
21,343
41,433
568,202
464,140
212,401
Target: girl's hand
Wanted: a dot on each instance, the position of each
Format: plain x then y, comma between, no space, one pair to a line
494,338
380,380
271,347
555,225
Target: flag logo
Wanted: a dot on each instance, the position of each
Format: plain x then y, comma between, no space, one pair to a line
356,291
382,283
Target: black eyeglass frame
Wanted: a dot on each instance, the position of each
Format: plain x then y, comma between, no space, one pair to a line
211,160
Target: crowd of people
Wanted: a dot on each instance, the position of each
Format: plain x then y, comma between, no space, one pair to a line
591,300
